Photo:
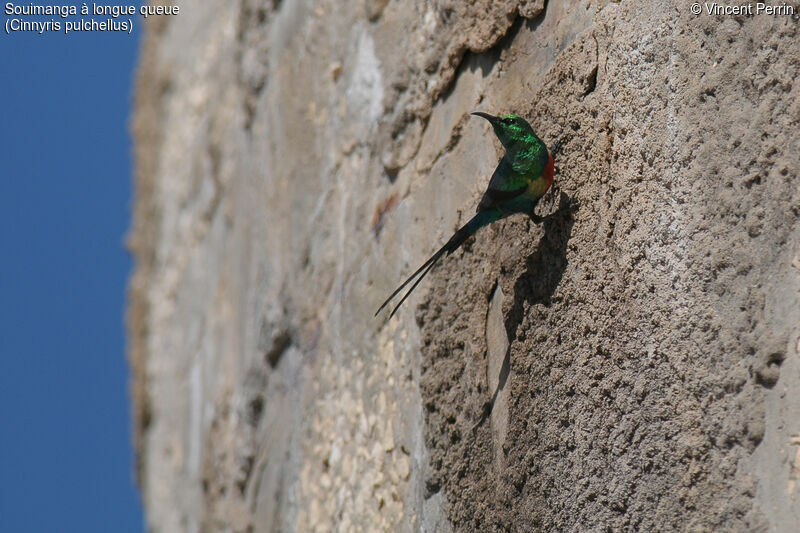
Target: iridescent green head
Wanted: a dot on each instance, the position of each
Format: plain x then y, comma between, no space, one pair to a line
512,130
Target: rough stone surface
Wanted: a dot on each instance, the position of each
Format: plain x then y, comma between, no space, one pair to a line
633,363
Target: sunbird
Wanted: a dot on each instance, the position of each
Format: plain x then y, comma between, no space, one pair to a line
522,177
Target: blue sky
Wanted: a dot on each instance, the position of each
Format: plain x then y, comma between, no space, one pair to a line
66,459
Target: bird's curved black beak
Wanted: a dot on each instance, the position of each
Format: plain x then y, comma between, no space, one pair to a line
487,116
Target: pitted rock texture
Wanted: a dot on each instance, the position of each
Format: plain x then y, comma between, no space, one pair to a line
647,325
633,363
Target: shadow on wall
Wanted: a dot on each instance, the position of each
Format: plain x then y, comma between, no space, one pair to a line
544,270
544,267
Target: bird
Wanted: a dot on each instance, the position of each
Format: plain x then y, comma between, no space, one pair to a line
522,177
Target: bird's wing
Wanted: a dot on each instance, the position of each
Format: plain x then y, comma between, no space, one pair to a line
502,187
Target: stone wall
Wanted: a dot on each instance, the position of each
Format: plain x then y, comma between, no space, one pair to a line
633,363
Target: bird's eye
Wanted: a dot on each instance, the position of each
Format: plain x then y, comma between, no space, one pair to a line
507,121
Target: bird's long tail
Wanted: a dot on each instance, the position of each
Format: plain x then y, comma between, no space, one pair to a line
480,220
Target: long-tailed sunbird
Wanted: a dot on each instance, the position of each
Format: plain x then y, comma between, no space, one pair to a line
522,177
